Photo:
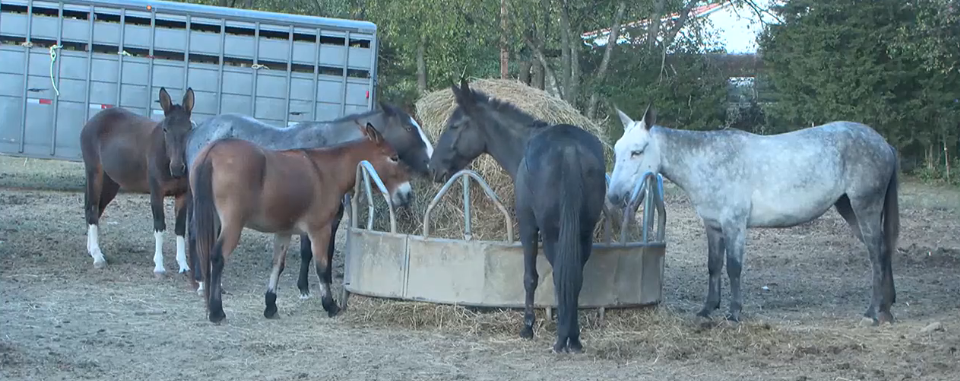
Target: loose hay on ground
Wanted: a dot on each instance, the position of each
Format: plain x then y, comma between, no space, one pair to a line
487,222
660,331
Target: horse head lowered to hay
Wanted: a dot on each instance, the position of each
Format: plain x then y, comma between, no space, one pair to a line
738,180
237,184
400,130
559,182
123,150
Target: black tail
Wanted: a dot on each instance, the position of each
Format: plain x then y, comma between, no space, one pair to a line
204,217
568,266
891,224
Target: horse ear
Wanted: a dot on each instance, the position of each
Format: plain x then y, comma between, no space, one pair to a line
387,109
624,118
463,84
649,117
460,94
188,100
165,103
372,133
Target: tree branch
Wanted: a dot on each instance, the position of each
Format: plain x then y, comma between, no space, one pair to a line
607,53
537,52
684,14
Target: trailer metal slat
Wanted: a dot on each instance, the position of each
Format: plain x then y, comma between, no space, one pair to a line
180,51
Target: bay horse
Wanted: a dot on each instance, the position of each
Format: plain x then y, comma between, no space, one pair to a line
559,179
123,150
237,184
738,180
400,130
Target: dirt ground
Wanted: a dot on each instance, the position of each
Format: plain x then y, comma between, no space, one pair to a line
805,291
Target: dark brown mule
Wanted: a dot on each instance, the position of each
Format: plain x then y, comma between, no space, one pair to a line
237,184
123,150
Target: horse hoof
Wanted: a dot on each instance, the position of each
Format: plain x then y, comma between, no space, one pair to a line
183,270
574,346
558,348
704,313
333,310
99,264
884,317
526,332
159,274
217,317
304,295
733,318
270,312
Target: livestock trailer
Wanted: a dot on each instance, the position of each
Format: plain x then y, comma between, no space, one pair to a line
62,62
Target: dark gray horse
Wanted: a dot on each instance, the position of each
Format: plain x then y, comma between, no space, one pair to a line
738,180
559,180
398,128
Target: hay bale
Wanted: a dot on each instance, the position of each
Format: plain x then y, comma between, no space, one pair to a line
487,222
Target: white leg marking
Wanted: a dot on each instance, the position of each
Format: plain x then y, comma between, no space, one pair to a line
423,136
182,254
323,290
200,288
93,247
158,253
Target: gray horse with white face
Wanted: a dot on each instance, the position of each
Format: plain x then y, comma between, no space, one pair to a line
400,130
738,180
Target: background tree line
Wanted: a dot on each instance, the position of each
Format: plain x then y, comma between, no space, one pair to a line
892,64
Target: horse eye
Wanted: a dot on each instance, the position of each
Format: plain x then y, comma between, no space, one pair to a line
394,158
636,153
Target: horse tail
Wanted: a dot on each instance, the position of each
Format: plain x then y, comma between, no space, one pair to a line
204,215
93,170
568,267
891,222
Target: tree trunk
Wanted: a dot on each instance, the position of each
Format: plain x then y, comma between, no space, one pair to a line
653,29
248,4
422,65
536,74
504,41
524,75
946,157
549,78
567,57
607,53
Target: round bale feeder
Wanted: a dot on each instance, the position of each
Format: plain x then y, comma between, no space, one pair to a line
481,273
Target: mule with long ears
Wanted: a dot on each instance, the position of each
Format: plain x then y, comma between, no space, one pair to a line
123,150
398,129
738,180
237,184
559,180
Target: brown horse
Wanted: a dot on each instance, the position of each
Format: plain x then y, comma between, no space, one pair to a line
237,184
123,150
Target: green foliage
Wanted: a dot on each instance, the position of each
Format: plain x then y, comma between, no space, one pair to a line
837,61
689,93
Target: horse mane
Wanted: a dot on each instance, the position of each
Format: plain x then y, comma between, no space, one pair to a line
355,116
509,108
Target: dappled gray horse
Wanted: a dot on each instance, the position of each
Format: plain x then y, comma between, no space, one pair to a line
398,128
738,180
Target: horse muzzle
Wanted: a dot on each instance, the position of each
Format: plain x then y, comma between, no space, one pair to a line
617,199
402,196
178,170
439,176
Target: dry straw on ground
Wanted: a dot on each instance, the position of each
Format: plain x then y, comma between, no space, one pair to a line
447,219
621,334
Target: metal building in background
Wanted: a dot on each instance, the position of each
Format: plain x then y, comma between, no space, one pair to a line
62,62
